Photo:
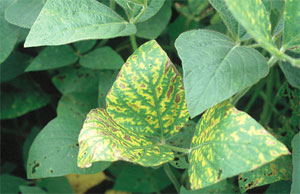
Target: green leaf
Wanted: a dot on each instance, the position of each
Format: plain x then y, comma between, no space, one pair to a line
21,96
223,186
76,79
228,142
23,13
255,19
279,169
27,144
102,58
8,33
106,80
281,187
137,179
215,68
153,27
145,105
62,22
232,25
296,164
133,9
290,72
56,185
53,57
31,190
10,184
291,36
84,46
13,66
197,6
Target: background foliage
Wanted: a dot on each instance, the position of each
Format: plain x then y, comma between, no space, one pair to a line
59,59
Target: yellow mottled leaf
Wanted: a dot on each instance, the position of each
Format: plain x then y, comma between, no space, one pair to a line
82,182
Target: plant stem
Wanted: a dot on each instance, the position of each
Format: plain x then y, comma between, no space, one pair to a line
138,17
172,177
133,42
272,61
177,149
266,108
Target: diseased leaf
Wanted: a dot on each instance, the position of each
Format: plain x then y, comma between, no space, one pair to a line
227,142
255,19
82,183
55,25
145,105
21,96
279,169
137,179
8,33
53,57
23,13
215,68
13,66
153,27
291,36
296,164
232,25
104,58
133,9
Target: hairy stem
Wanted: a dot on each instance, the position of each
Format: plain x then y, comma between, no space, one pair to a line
172,177
133,42
177,149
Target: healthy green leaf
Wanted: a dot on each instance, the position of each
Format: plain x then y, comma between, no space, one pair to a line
145,105
223,186
290,72
153,27
56,185
232,25
227,142
53,57
296,164
10,184
102,58
84,46
23,13
21,96
76,79
13,66
31,190
197,6
291,36
8,33
62,22
133,9
281,187
27,144
255,19
279,169
215,68
137,179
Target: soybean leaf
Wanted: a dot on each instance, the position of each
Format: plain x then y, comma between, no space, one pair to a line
281,187
82,183
55,185
62,22
23,13
153,27
197,6
53,57
223,186
31,190
106,80
84,46
102,58
291,36
133,9
279,169
76,79
145,105
227,142
255,19
8,33
215,68
21,96
10,183
27,144
137,179
232,25
296,164
13,66
290,72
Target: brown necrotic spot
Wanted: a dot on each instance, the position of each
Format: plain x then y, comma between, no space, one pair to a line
51,171
170,92
35,166
177,98
143,85
122,85
134,57
127,137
